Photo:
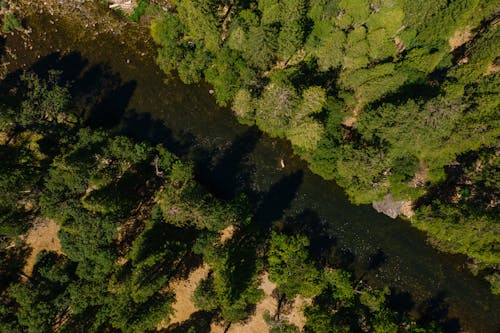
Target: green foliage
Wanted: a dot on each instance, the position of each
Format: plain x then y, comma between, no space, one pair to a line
340,284
494,280
243,106
232,286
204,296
10,23
139,10
201,21
290,267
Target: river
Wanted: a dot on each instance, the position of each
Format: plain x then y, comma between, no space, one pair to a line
116,73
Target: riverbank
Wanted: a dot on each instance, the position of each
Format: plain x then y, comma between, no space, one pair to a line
224,148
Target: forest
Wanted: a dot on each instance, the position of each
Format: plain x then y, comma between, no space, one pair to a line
132,219
385,97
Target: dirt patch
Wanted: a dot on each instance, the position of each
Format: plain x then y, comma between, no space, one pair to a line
398,43
460,37
407,208
183,289
393,208
127,6
297,316
351,121
42,236
493,68
420,177
256,323
227,233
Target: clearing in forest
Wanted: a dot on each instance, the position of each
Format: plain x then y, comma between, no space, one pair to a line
42,236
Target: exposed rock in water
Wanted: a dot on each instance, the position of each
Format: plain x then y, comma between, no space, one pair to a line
393,208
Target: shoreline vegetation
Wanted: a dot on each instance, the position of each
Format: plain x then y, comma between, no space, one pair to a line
388,98
130,219
454,187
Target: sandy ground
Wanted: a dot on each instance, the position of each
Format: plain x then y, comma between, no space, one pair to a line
227,233
493,68
256,323
184,307
42,236
126,5
460,37
183,289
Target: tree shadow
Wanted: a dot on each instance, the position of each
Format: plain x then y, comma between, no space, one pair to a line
198,322
456,174
70,66
108,112
12,262
309,223
435,309
99,95
423,91
278,199
232,171
377,259
401,301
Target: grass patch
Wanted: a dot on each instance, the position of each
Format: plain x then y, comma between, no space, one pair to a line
139,11
10,23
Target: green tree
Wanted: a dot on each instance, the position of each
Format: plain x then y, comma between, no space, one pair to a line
290,266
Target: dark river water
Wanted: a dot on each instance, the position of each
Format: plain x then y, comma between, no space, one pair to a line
117,75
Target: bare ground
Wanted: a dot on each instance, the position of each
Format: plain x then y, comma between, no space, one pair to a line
42,236
256,323
460,37
184,307
126,5
493,68
183,289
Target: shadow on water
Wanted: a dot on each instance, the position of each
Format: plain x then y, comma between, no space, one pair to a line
436,309
280,196
400,300
108,112
309,223
376,260
231,160
231,173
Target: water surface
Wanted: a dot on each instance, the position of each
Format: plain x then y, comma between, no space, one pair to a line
117,74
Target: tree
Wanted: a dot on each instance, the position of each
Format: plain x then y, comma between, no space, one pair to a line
243,107
275,109
200,19
290,267
306,135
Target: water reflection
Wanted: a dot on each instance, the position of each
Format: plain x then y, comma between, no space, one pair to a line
232,159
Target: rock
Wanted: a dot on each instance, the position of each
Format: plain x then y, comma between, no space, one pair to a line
393,208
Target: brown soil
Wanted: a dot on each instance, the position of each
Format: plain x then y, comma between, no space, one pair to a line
227,233
126,5
256,323
42,236
183,289
400,46
460,37
350,121
493,68
184,307
420,177
407,209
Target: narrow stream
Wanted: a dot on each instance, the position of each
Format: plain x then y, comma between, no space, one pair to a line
118,70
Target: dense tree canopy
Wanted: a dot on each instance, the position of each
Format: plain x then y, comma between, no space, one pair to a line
381,96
